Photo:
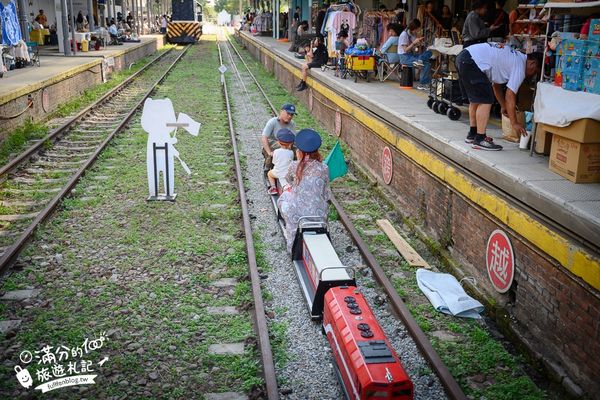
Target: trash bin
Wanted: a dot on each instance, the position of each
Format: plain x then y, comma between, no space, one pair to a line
406,80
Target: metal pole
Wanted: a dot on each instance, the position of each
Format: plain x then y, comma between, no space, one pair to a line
90,7
72,26
108,11
115,10
23,20
65,28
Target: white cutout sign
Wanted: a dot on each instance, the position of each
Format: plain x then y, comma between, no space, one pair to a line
158,120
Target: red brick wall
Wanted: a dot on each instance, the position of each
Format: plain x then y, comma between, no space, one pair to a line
553,312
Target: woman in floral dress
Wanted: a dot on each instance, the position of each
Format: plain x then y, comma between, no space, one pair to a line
309,191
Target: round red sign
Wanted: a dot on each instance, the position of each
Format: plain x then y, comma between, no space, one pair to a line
338,123
387,166
500,261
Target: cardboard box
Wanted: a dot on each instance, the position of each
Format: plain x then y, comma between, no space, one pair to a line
584,130
543,140
572,81
578,162
591,82
574,47
594,33
508,133
572,63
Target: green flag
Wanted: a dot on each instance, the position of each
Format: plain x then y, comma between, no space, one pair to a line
336,163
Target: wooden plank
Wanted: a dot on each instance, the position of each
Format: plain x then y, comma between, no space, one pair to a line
410,255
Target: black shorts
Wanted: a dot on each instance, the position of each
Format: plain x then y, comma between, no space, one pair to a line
474,83
314,64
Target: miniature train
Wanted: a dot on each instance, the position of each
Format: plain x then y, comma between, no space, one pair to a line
365,362
186,22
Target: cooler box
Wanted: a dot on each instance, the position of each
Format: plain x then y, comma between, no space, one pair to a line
361,63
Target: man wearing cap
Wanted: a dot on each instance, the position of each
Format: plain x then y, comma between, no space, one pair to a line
283,120
482,70
309,177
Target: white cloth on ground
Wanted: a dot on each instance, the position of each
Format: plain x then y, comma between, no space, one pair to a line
447,295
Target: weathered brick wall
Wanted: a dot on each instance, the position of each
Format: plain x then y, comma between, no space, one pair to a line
553,312
66,89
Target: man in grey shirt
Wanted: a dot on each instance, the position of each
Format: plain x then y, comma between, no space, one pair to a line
283,120
474,29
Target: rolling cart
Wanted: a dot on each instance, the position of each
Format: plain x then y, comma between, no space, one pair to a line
359,64
444,91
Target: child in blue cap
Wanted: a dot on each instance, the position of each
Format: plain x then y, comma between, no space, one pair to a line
282,158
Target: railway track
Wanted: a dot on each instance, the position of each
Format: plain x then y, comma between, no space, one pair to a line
34,183
450,385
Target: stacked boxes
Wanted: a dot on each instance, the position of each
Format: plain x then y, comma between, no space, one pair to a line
591,66
572,63
578,61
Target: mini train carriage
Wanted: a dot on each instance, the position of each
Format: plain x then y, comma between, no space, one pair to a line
317,265
186,22
366,364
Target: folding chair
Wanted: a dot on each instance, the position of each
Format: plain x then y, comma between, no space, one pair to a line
385,69
34,52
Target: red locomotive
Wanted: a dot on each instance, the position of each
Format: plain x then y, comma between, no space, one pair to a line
367,364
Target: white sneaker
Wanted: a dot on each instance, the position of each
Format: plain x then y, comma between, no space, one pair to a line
423,87
418,63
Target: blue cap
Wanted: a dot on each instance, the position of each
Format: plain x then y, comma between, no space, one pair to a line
308,140
285,135
289,108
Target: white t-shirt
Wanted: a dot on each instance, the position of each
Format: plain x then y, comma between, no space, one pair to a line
282,158
405,39
500,63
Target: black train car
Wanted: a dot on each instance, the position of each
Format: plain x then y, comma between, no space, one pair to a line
186,22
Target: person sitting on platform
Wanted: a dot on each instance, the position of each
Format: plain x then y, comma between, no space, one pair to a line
407,44
316,58
114,33
482,70
389,50
41,18
282,158
309,178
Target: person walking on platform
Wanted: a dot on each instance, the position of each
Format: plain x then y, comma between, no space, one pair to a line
274,125
482,70
474,30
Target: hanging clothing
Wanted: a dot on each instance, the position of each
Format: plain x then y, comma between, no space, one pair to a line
11,31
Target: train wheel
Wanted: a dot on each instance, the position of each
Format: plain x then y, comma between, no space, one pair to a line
430,102
443,108
453,113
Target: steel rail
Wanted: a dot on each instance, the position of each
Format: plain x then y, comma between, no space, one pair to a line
259,309
453,390
13,251
55,134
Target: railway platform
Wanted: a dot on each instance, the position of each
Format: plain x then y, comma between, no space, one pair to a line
458,196
59,78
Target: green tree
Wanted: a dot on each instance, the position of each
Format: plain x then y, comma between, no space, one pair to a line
231,6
